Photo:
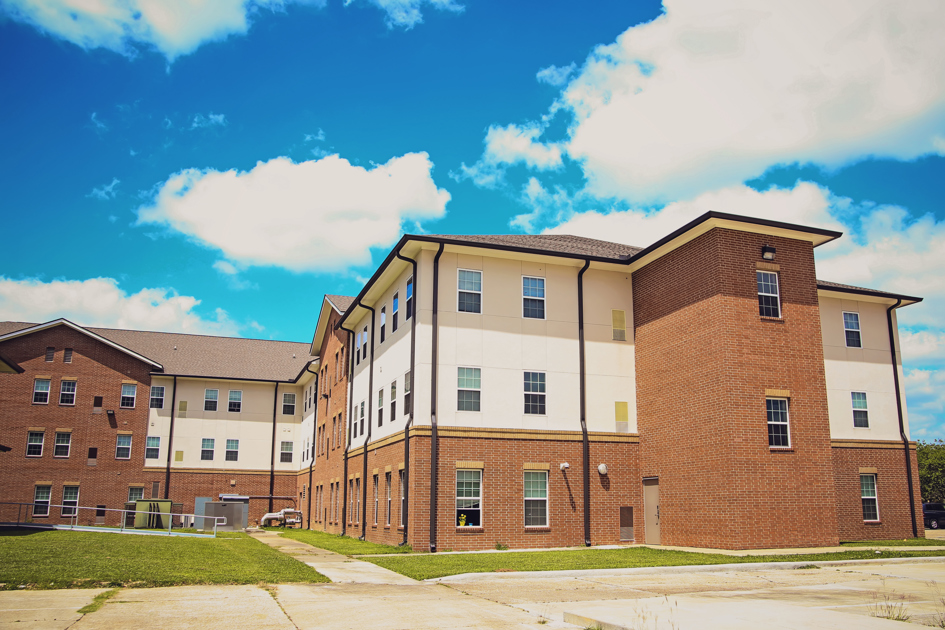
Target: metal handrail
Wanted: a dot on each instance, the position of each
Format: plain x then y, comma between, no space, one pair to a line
74,516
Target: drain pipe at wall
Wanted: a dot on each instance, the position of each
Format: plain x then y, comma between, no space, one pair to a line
348,433
434,454
370,417
413,355
902,427
311,463
583,386
272,459
170,443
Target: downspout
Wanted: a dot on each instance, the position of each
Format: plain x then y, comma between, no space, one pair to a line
311,464
583,385
902,428
170,442
272,458
434,454
370,416
344,479
413,356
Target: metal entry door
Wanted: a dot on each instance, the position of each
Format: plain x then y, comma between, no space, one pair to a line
651,510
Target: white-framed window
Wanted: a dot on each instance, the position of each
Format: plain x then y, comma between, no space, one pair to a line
288,404
41,500
868,496
375,500
393,401
533,297
394,308
210,398
285,453
403,496
152,447
387,487
407,398
63,444
535,393
779,435
157,397
861,418
380,407
383,323
364,340
235,401
769,297
357,349
34,443
70,500
361,431
50,354
468,498
67,393
135,493
41,391
619,324
123,447
469,386
128,394
232,451
469,298
536,498
851,329
409,303
357,500
206,449
67,355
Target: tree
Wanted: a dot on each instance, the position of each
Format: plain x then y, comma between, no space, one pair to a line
931,456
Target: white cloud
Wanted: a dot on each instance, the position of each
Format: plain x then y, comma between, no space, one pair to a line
105,191
317,215
172,27
315,137
210,120
555,75
505,146
99,125
100,302
226,267
926,406
406,13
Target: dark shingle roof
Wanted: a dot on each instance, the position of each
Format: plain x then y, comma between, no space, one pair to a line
341,302
558,243
849,288
205,355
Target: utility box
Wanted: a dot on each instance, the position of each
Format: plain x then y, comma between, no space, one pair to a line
236,513
159,516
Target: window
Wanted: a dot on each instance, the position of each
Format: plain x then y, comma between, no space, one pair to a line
152,447
533,297
868,496
34,444
393,312
157,397
210,397
851,328
232,451
403,497
407,408
364,343
619,324
467,398
535,393
288,404
63,444
128,393
778,436
206,449
383,323
50,354
41,391
536,498
67,393
123,447
93,453
236,401
375,499
470,291
70,500
409,305
41,500
285,453
861,418
357,500
67,356
393,401
362,418
469,498
135,493
380,407
387,486
97,403
338,364
357,349
769,304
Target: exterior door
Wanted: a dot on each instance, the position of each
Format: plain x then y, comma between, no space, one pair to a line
651,510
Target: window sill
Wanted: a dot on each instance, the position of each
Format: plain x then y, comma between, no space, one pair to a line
543,528
387,527
872,522
36,403
470,530
781,449
400,528
766,318
34,456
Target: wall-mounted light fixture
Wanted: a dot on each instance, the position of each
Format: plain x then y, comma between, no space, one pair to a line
565,465
767,252
111,413
602,469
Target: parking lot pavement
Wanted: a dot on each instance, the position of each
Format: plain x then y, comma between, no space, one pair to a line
43,610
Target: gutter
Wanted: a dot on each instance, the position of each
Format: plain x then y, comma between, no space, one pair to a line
272,454
170,443
434,453
902,429
413,357
348,433
370,421
586,447
311,464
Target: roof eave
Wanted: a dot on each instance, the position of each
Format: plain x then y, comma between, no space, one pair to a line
907,300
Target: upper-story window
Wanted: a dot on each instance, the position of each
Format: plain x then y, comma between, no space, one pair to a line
50,354
383,323
851,328
285,452
236,401
861,419
128,393
357,349
409,305
407,397
395,305
210,397
769,299
157,397
535,393
123,447
393,401
34,443
533,297
469,389
67,355
152,447
232,453
63,444
206,449
364,343
380,407
288,404
470,291
337,364
41,391
67,393
778,432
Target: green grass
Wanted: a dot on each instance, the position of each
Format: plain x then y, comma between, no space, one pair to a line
98,601
340,544
64,559
434,566
908,542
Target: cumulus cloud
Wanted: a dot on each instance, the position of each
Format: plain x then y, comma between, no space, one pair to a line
555,75
105,191
101,302
210,120
406,13
316,215
505,146
171,27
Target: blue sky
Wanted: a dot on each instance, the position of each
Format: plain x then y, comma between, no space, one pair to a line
218,170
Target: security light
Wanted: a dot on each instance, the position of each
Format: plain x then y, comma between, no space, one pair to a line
767,252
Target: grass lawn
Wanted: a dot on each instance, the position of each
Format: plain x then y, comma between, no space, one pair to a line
908,542
339,544
63,559
433,566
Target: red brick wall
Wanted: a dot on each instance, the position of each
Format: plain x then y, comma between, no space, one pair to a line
186,486
704,358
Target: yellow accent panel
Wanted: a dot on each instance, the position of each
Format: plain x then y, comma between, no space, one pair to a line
470,464
532,466
619,322
868,470
622,411
779,393
767,266
178,456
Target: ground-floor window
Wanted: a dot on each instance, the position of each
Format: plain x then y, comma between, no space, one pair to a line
41,500
536,498
70,500
135,493
403,500
469,498
375,499
387,484
868,496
